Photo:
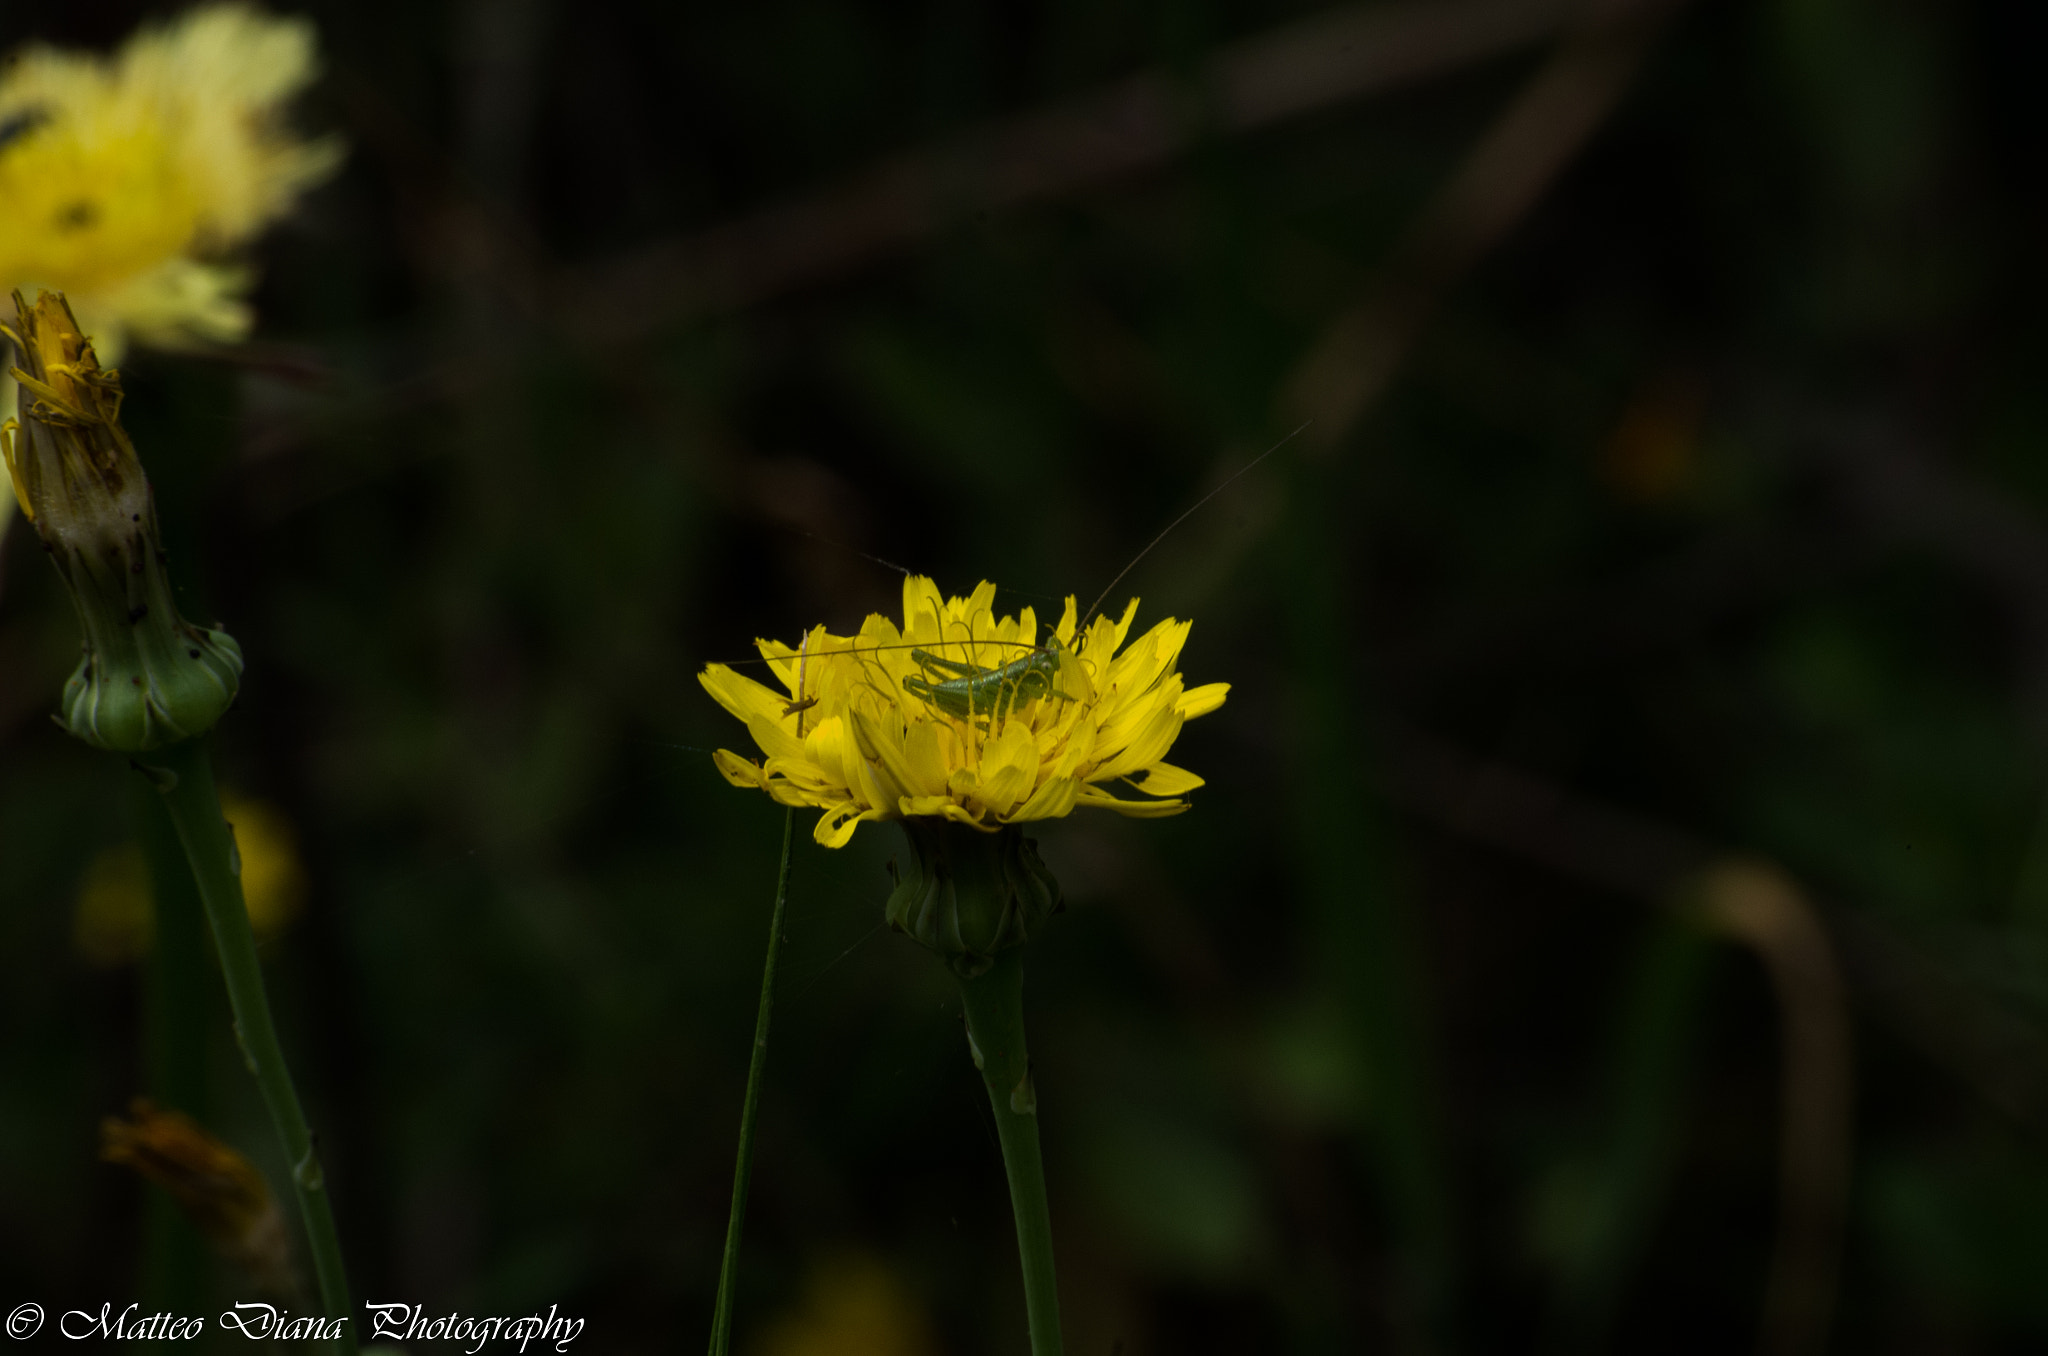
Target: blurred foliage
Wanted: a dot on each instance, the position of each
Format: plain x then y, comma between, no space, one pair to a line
1711,498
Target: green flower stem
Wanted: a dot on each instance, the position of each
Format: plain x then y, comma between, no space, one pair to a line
994,1000
174,1044
743,1165
184,775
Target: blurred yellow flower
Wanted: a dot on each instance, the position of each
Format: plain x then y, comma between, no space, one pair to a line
895,724
855,1306
273,873
128,182
115,919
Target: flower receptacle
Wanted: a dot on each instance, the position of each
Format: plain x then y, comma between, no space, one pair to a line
968,894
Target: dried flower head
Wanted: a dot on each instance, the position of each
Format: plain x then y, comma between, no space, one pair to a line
148,677
217,1187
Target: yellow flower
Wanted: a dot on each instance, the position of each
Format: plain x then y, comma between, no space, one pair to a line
114,922
128,182
861,730
122,179
855,1306
273,873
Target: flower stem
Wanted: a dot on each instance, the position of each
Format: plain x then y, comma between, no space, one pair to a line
183,774
743,1165
174,1044
994,1001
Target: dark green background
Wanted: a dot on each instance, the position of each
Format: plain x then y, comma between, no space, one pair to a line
1363,1053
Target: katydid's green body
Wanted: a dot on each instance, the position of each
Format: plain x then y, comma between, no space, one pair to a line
993,693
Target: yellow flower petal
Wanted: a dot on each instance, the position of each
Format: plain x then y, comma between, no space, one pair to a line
741,696
1054,800
1200,701
943,807
1147,747
775,741
835,827
1135,809
929,748
1164,779
1002,793
740,771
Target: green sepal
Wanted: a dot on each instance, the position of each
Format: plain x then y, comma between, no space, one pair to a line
148,677
969,895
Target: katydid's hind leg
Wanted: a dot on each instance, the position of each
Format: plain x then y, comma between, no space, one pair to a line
928,661
960,634
935,694
924,690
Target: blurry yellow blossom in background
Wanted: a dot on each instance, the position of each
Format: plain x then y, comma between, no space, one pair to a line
115,919
273,873
854,1306
128,183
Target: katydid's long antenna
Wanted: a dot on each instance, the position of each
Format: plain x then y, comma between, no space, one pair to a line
840,545
1242,472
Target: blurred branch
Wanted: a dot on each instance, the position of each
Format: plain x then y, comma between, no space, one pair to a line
1142,123
1537,820
1139,124
1506,173
2000,1053
1911,493
1759,905
1755,904
1363,928
1135,125
1503,177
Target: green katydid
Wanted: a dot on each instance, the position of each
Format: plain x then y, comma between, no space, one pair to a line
993,693
974,693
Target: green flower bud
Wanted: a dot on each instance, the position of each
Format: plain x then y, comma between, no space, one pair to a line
148,677
967,894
